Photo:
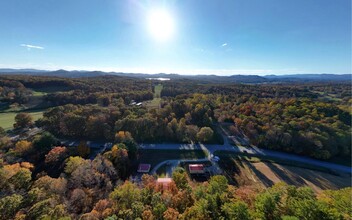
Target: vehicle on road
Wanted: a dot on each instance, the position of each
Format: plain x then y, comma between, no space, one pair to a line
214,158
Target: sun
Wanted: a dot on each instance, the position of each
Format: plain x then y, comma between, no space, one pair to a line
161,24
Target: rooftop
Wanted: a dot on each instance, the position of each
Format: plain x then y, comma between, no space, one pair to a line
143,168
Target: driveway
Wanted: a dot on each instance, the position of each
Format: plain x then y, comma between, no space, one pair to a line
172,164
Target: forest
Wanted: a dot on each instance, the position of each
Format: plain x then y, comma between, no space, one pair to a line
43,179
312,119
39,180
296,118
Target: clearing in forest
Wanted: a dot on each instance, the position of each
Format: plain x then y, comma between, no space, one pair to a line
155,103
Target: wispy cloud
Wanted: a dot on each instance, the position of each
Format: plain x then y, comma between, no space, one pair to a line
224,45
28,46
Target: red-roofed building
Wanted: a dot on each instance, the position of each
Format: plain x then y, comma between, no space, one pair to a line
143,168
196,168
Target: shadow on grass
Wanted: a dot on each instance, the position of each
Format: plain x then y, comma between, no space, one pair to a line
265,180
292,175
286,176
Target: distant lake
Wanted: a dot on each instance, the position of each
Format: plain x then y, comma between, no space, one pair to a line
160,79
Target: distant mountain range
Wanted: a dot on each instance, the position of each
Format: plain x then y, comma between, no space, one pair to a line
203,78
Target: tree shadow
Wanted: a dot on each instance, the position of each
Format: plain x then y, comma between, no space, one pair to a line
327,180
265,180
295,176
286,176
239,161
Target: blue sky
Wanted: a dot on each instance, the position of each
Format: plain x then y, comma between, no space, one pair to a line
209,36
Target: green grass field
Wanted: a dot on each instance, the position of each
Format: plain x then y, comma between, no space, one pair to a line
51,89
157,90
328,96
155,103
39,93
7,119
8,112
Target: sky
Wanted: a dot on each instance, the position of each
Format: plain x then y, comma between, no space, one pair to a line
222,37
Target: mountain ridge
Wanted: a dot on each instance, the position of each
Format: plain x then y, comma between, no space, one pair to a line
238,78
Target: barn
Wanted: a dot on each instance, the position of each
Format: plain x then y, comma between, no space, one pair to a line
196,168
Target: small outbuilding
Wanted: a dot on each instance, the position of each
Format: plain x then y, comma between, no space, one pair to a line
196,168
165,182
143,168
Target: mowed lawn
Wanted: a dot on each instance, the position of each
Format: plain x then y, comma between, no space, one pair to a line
7,119
157,90
8,113
257,173
156,100
39,93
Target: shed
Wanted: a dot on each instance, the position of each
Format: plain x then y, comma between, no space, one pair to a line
143,168
165,182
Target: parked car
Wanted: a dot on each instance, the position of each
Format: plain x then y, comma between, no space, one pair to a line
214,158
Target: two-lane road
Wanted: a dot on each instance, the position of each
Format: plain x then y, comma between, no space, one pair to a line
254,151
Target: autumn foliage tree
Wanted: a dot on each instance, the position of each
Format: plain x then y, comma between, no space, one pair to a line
23,147
83,149
54,160
23,120
126,138
205,134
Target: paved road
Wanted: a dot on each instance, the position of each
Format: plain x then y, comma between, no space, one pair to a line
252,151
170,146
277,154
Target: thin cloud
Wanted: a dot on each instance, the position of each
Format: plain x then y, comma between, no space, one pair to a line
28,46
224,45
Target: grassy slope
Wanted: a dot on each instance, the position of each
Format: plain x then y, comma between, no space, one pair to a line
249,158
156,100
157,90
256,172
8,113
8,119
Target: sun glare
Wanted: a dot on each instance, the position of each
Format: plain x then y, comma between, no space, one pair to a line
161,24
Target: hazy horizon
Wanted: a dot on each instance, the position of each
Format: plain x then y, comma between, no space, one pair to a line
182,74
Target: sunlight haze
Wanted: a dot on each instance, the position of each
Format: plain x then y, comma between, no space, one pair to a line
177,36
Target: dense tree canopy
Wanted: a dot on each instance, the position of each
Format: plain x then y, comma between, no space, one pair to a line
42,179
312,118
